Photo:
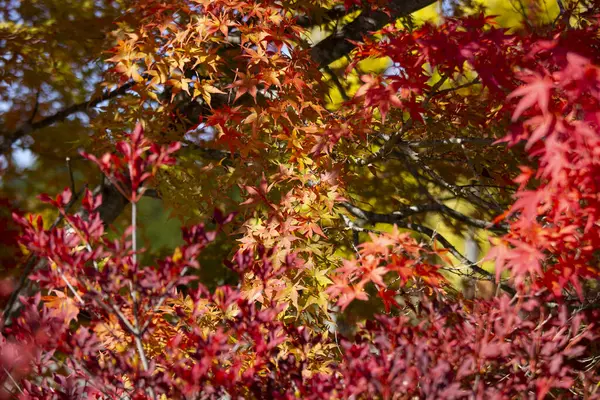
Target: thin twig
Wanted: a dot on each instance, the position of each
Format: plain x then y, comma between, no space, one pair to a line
389,145
397,216
139,333
140,349
452,141
337,83
71,177
36,106
414,157
132,283
112,308
80,367
134,231
429,232
14,382
452,89
71,288
434,90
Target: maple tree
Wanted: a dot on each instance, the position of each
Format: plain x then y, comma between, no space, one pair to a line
324,160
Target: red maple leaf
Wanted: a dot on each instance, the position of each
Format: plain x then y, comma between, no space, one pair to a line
537,91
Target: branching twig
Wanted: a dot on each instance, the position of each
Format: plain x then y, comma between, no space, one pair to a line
211,154
431,233
434,90
162,299
389,145
387,218
414,157
138,334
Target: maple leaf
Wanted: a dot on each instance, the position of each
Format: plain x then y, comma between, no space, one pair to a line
205,90
310,228
245,84
256,56
403,267
376,94
388,298
62,306
375,275
295,79
528,203
129,69
259,193
349,293
536,91
219,24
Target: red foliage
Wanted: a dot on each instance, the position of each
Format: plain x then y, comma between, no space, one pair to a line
148,331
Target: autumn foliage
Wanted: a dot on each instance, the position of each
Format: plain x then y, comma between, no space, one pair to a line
322,205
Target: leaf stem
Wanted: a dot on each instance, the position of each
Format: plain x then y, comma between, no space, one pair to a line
134,230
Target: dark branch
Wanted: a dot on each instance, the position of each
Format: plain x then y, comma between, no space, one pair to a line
113,202
208,153
390,218
398,216
435,235
337,45
322,16
452,141
435,92
10,138
323,53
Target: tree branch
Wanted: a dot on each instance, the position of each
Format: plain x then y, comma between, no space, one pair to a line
435,92
323,15
337,83
328,50
323,53
397,216
10,138
452,141
337,44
